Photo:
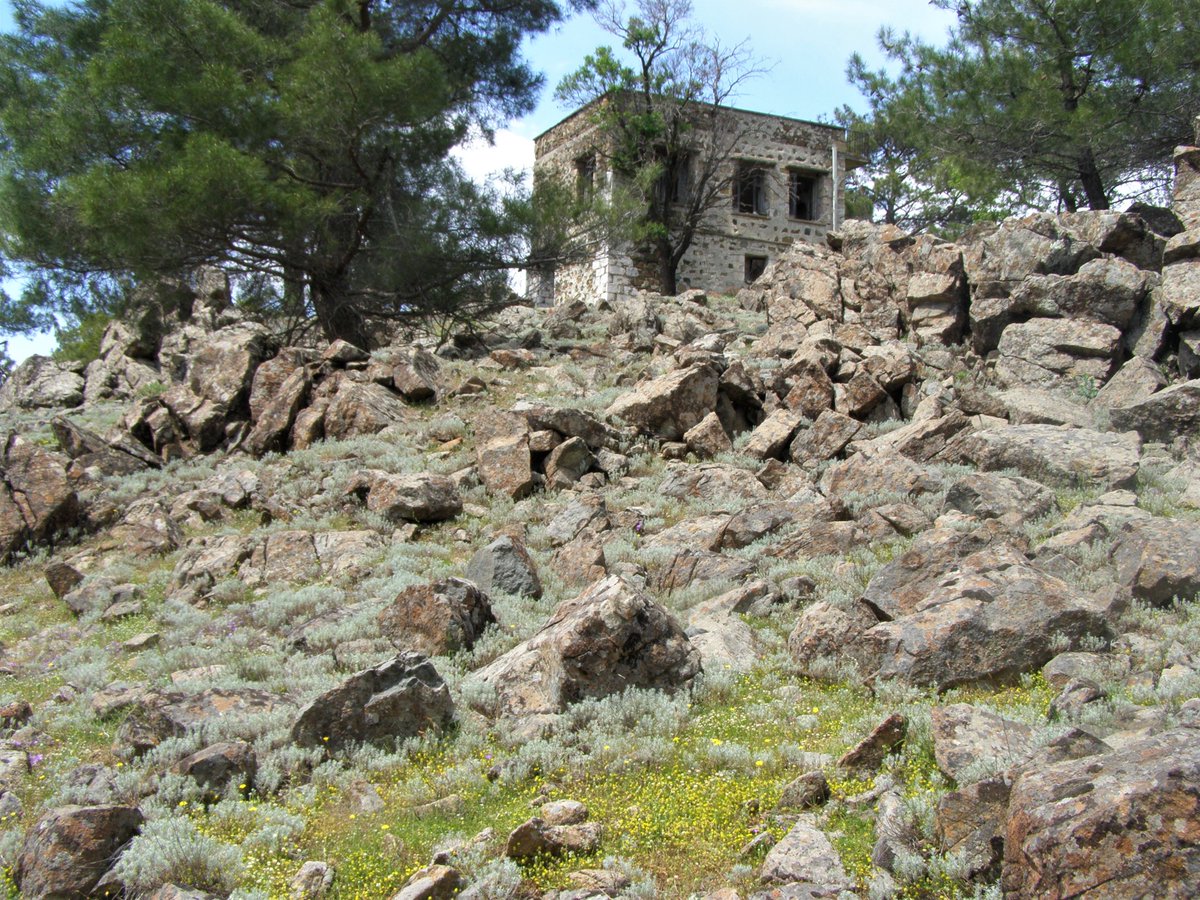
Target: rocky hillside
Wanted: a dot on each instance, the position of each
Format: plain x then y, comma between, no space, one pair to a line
880,579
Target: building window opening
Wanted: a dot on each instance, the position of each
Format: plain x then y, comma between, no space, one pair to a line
755,266
802,196
750,189
585,177
682,182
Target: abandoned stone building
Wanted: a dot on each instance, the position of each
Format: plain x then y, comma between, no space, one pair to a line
783,182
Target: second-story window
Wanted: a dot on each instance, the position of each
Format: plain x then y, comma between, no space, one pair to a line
750,189
802,195
585,176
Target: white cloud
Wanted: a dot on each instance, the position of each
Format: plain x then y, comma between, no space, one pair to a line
485,161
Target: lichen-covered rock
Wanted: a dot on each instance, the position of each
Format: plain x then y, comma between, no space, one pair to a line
218,765
964,736
157,716
989,616
436,619
1164,415
994,616
419,497
505,465
536,837
567,463
69,849
609,638
1159,559
1121,825
361,408
400,699
1053,453
1059,354
708,437
278,414
805,856
432,883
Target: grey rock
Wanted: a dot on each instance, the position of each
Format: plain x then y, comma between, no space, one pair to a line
41,383
399,699
1054,454
669,406
966,736
420,497
805,855
505,565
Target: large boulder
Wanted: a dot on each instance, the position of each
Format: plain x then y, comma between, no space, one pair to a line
361,408
438,618
400,699
991,617
670,405
94,455
1053,453
966,736
1180,295
277,414
1107,291
270,376
279,556
609,638
994,618
1162,416
71,848
37,502
158,716
1124,824
806,857
999,258
42,383
1057,353
1158,559
420,497
505,565
222,369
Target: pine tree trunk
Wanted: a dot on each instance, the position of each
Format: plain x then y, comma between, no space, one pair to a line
1093,185
338,315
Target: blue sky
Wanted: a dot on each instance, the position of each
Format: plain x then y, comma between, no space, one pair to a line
806,43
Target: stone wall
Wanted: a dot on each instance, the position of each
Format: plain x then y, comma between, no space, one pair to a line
717,259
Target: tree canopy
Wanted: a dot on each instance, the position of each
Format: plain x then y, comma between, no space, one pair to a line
1049,102
301,141
662,129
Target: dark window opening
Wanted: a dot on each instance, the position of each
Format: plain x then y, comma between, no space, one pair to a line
585,176
755,266
802,196
682,182
750,189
